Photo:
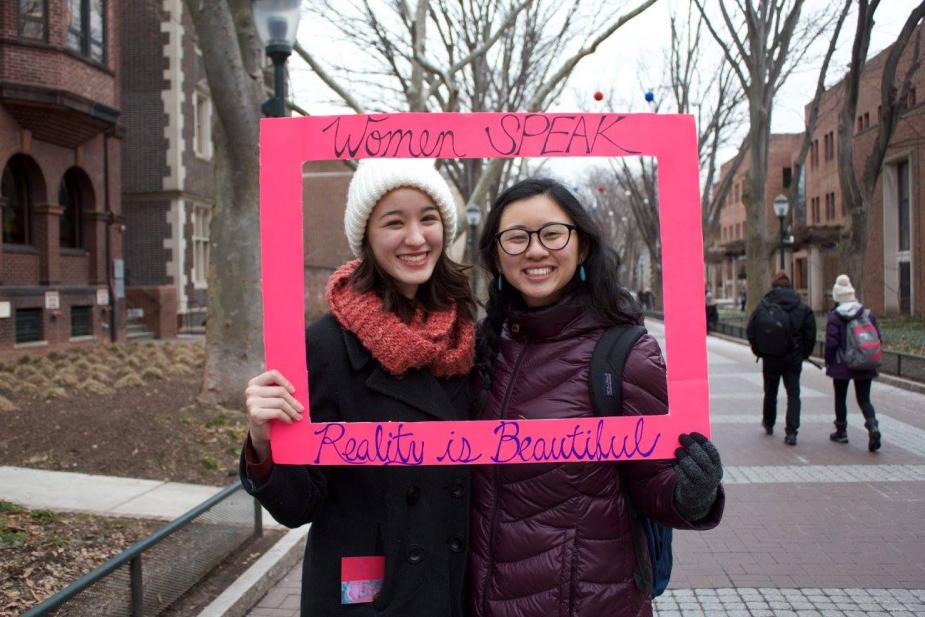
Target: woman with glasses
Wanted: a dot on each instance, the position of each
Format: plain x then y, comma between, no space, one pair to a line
557,539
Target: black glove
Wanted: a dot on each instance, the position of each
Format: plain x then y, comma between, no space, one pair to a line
699,473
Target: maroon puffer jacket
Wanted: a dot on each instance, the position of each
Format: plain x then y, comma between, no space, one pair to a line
554,540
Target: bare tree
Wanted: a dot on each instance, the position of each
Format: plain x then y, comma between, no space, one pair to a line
639,185
234,332
492,55
894,93
762,45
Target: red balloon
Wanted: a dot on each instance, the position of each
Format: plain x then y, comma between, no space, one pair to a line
600,188
598,95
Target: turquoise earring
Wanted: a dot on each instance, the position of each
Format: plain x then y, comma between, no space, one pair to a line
499,282
581,273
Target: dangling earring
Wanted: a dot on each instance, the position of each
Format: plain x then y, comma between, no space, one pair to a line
500,278
581,273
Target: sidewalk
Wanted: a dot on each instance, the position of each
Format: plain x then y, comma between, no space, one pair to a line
820,529
106,495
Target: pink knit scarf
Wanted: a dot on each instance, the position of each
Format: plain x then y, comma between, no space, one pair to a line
443,341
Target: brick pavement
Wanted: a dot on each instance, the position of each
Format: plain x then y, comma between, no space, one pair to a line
819,529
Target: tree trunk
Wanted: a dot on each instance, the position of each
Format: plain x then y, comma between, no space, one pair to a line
757,264
234,330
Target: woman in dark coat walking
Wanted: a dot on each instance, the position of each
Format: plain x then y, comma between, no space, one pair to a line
557,539
836,333
396,347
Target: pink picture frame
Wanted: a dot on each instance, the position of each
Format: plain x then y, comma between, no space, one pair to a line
287,143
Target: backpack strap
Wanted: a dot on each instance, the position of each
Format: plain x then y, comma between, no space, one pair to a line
607,360
606,384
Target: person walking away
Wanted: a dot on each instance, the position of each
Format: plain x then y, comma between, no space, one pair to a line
396,346
550,539
852,353
782,332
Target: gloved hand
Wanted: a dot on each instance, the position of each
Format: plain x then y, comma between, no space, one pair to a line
699,473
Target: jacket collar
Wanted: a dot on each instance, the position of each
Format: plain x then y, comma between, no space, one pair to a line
417,388
564,319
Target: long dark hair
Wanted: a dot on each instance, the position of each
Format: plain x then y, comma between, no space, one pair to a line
601,292
447,285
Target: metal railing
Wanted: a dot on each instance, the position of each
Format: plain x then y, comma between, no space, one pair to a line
897,364
147,577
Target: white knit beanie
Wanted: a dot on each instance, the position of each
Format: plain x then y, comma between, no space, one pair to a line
842,291
376,177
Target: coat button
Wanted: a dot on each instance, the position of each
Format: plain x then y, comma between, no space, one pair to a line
413,495
456,545
415,554
457,491
515,328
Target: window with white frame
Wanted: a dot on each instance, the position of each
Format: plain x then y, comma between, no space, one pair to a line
201,217
202,132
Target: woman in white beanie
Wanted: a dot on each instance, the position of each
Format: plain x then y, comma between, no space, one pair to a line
852,352
397,346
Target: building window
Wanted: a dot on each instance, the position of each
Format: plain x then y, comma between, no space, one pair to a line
787,177
28,325
81,320
86,32
32,19
201,217
814,206
830,206
202,129
910,99
902,181
70,198
17,202
829,146
814,154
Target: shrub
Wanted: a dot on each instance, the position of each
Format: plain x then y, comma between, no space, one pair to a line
152,372
129,380
92,386
6,404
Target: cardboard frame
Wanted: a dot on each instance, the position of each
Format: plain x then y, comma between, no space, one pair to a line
287,143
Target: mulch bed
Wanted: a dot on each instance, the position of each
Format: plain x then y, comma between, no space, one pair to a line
124,410
42,551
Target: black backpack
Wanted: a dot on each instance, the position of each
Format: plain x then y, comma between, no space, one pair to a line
606,379
771,325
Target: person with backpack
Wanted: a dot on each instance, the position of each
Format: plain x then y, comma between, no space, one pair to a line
852,352
782,332
568,538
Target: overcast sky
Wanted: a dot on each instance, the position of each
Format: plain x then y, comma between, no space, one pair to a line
619,65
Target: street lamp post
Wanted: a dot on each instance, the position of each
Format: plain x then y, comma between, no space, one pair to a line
474,219
781,208
277,22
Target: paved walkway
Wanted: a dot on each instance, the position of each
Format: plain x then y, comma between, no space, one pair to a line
819,529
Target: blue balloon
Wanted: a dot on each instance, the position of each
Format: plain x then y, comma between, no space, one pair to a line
650,96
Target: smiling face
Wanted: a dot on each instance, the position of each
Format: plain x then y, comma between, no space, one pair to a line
405,234
538,273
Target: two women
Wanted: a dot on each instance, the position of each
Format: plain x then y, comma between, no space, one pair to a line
838,366
397,346
554,539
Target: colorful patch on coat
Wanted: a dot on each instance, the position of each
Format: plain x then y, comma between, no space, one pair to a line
361,578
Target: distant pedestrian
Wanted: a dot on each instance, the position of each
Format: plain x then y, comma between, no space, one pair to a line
782,332
743,295
852,352
712,311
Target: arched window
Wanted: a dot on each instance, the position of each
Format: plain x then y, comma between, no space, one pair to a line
17,202
73,197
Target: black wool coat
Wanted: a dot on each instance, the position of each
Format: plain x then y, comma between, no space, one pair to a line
417,517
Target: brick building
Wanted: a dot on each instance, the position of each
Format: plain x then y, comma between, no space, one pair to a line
167,166
725,249
894,281
60,152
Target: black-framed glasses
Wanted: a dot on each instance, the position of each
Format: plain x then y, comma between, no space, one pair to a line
552,236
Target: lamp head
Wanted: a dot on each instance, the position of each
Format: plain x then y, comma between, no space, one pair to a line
277,22
473,216
781,206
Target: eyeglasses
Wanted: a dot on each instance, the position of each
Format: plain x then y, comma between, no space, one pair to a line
552,236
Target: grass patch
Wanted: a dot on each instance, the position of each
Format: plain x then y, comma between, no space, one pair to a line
7,507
